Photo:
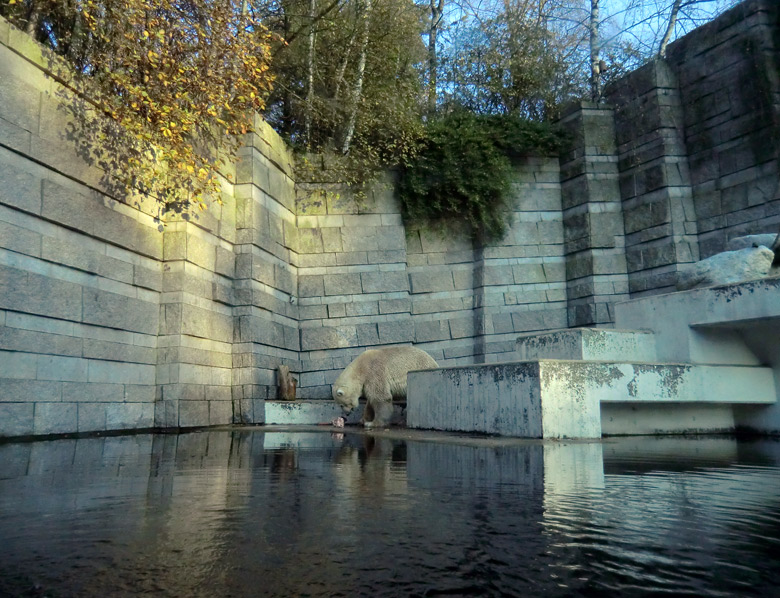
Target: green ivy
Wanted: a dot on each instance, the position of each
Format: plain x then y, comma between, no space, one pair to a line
463,170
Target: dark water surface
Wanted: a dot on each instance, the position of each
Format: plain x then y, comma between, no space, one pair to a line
260,513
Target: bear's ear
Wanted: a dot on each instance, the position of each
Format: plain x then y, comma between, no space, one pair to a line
339,393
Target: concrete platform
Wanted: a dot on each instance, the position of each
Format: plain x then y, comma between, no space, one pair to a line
306,412
312,412
566,399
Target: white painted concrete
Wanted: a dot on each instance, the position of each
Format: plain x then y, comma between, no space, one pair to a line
317,412
632,419
685,323
733,324
494,399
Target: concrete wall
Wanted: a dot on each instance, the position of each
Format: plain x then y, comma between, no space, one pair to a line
110,320
113,315
367,281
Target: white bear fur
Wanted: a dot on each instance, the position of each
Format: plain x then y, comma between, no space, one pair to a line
378,375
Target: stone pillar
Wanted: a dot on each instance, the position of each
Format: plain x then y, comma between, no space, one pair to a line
594,240
265,316
658,210
194,355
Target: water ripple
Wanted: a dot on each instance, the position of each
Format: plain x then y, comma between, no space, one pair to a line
218,514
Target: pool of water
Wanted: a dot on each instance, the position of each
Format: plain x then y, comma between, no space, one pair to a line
278,513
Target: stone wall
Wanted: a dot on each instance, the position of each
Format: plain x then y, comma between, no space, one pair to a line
112,315
366,281
698,144
81,279
115,316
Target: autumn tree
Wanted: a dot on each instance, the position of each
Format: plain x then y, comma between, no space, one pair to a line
171,85
508,61
348,81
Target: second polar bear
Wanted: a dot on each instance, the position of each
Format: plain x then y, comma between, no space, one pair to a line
379,375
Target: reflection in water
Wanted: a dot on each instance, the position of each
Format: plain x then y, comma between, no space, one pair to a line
253,513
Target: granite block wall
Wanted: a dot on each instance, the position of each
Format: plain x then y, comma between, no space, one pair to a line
591,209
365,281
655,182
353,288
521,280
80,273
112,315
265,275
728,74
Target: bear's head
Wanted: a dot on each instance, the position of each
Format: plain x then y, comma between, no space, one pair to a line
347,396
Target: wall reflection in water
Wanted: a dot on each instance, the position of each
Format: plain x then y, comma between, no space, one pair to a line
249,513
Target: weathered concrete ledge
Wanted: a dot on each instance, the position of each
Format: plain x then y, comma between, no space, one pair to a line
564,399
592,344
307,412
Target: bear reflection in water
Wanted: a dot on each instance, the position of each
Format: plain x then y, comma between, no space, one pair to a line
366,465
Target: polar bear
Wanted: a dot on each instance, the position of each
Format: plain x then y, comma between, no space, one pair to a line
378,375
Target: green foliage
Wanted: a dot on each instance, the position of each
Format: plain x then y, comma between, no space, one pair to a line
509,64
463,170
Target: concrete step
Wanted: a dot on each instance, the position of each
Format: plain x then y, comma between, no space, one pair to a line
591,344
571,399
307,412
312,412
732,324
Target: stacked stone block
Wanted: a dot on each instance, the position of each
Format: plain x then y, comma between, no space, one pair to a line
196,327
113,315
594,241
353,286
79,306
443,270
730,90
522,284
658,210
265,281
107,321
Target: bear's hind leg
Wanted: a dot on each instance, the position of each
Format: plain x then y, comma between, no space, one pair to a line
383,412
368,414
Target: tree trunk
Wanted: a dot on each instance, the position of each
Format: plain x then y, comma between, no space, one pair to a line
310,76
361,69
595,71
286,384
437,11
670,28
342,69
33,17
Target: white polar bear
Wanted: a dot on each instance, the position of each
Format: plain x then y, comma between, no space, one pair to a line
379,375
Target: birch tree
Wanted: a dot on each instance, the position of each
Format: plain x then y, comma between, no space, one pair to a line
310,74
594,42
669,28
436,16
357,90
